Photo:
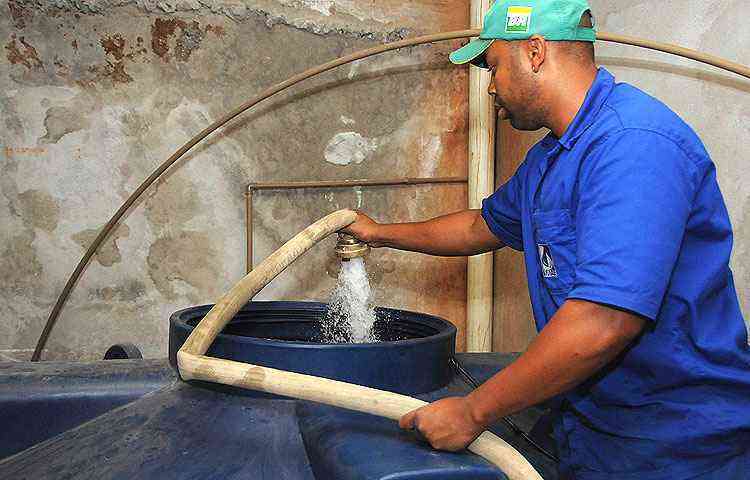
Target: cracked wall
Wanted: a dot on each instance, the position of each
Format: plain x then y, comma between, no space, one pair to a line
94,95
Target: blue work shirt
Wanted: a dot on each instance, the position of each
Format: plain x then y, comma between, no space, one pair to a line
625,210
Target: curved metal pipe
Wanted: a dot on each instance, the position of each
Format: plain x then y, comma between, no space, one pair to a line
701,57
112,223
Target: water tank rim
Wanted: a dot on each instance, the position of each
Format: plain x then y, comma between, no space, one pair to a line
445,328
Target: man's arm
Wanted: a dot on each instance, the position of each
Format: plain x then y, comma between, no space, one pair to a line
456,234
580,339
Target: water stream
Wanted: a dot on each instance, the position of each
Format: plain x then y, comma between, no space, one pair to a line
351,314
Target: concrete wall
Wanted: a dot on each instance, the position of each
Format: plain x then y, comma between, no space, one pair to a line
95,94
715,103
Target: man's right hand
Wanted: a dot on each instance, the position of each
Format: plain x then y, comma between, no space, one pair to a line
455,234
364,229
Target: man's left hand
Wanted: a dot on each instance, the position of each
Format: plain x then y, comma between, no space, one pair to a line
447,424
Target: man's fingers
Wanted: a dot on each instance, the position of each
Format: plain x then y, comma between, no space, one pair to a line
417,433
407,421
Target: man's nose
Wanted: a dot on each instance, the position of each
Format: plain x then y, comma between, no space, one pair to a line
491,87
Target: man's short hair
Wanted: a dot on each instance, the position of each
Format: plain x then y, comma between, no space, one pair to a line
583,51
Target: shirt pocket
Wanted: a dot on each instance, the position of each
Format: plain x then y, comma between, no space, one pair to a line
555,238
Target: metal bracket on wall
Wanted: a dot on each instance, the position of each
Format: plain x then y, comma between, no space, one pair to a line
328,184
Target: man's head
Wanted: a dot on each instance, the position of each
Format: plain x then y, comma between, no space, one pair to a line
533,48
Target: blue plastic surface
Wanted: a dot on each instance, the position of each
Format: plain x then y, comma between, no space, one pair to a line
182,431
136,419
282,332
40,400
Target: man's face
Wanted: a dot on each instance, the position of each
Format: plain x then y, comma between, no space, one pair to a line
513,86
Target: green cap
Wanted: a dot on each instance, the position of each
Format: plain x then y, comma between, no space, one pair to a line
554,20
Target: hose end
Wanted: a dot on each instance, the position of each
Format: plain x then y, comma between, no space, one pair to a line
349,247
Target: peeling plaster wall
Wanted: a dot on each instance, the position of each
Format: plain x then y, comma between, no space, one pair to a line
96,94
715,103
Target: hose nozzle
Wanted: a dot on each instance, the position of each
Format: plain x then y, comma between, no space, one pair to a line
349,247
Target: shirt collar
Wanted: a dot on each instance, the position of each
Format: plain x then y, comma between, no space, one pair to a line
595,98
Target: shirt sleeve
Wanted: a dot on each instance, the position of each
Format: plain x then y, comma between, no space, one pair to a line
635,196
502,210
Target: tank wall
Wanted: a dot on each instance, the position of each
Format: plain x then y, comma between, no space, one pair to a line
95,95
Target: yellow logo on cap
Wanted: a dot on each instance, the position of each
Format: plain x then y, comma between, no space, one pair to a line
519,20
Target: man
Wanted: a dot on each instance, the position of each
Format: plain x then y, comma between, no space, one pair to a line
626,241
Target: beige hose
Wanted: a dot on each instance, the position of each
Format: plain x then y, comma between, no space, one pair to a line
225,309
112,223
193,365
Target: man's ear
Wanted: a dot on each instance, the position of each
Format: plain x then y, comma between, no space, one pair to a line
536,51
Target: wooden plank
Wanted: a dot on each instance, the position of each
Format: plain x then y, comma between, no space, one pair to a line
481,184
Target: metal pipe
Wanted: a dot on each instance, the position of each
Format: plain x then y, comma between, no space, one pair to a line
354,183
112,223
327,184
701,57
249,230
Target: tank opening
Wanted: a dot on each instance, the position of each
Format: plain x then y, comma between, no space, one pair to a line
308,327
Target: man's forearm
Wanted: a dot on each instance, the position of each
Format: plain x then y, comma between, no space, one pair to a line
456,234
579,340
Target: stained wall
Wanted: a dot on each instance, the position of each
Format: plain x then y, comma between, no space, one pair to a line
94,95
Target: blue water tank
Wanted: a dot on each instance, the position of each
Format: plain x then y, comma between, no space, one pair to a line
413,356
173,429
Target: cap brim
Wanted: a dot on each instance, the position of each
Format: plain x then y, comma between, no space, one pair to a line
472,52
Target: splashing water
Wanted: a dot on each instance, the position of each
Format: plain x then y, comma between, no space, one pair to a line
350,316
